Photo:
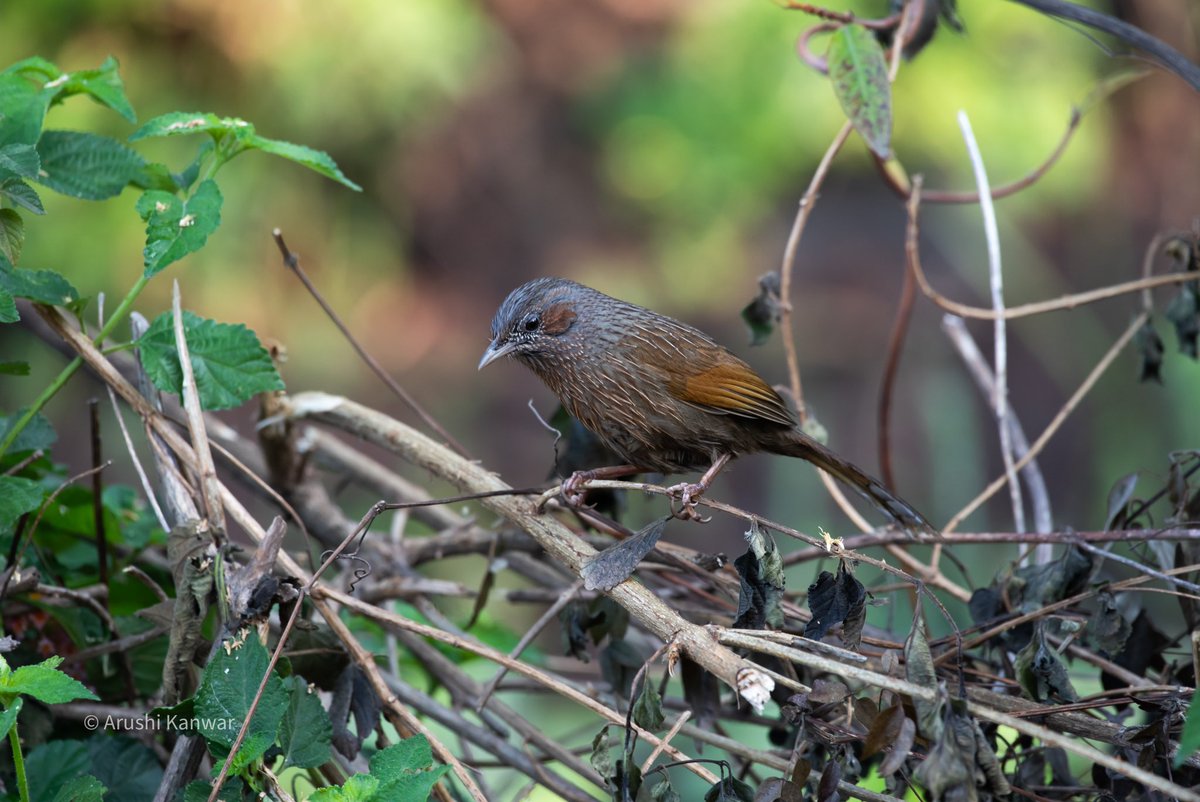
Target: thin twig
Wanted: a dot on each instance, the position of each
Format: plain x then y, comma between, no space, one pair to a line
292,262
553,610
195,420
1039,498
1000,338
1054,425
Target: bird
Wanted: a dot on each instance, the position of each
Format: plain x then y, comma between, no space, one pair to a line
661,395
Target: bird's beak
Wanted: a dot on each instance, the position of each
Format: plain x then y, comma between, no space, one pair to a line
496,350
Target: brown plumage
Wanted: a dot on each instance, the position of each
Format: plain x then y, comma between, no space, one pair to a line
659,393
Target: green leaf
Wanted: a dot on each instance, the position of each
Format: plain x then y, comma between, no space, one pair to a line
20,159
81,789
17,497
22,110
102,84
34,67
405,770
316,160
175,228
234,789
128,768
18,193
38,433
229,685
87,166
858,70
14,368
12,234
187,122
50,765
9,717
46,683
305,732
229,362
42,286
358,788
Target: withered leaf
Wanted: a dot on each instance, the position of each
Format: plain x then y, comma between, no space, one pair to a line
601,757
729,789
1040,673
1118,501
1183,314
827,787
616,563
777,789
884,730
1107,630
647,709
764,311
661,791
1035,586
834,599
919,670
900,748
354,697
701,692
760,571
1150,349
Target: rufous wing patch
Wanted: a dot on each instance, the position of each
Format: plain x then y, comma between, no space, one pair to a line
733,389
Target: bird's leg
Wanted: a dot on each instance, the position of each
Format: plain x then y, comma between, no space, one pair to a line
572,487
689,492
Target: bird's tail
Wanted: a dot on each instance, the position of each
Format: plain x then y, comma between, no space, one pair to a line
897,509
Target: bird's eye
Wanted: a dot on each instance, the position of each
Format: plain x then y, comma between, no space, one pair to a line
531,323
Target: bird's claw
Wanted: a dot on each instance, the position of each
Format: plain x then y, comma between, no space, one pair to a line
687,495
572,489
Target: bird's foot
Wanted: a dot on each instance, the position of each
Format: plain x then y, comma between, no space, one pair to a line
686,495
573,490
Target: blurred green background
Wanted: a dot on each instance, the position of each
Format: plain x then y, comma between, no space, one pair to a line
655,149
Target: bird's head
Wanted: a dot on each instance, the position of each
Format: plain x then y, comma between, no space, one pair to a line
533,320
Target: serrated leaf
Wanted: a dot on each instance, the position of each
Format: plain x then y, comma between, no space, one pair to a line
858,71
17,192
174,227
42,286
45,682
128,768
22,110
611,567
81,789
305,731
316,160
51,764
760,571
88,166
19,159
230,364
229,685
12,234
405,770
38,433
177,123
104,85
18,496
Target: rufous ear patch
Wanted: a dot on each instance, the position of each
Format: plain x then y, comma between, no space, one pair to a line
558,318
